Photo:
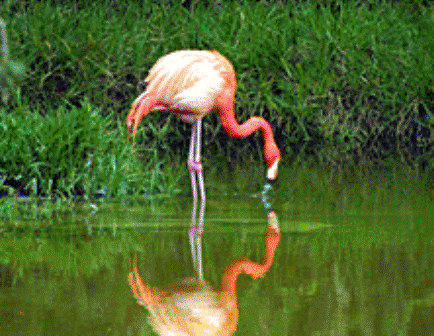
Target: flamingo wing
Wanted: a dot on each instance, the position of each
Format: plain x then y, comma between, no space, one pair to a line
188,80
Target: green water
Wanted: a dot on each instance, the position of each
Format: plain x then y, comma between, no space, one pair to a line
355,258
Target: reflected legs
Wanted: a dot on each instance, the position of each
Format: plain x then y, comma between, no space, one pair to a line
196,175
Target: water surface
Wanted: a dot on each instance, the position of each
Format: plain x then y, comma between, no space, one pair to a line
355,258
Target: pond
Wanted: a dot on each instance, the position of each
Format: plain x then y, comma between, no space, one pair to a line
355,257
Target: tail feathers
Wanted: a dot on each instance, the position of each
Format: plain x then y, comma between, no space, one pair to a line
140,108
143,293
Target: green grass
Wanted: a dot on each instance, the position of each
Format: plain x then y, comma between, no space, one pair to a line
76,152
340,81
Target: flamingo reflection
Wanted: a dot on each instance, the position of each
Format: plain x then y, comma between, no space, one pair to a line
193,306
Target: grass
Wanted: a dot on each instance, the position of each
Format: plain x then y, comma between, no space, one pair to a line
340,82
75,152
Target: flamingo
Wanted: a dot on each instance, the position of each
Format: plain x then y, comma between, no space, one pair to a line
193,306
190,84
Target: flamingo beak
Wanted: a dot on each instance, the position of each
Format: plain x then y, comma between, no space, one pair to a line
272,172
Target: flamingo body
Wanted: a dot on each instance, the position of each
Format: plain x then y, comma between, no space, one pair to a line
191,83
188,80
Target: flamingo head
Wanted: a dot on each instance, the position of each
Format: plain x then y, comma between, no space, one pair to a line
272,157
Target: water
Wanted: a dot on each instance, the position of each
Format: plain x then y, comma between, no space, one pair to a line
353,259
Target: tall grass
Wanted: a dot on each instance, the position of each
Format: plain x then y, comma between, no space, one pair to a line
340,81
75,152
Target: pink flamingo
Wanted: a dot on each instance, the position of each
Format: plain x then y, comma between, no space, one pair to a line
193,307
190,84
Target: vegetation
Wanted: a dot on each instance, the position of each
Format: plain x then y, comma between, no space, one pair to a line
75,152
342,82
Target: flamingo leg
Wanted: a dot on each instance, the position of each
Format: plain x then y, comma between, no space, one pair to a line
196,176
190,164
199,228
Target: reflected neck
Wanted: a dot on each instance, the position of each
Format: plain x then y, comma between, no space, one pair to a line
245,265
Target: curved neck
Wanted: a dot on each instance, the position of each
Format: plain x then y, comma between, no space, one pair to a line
236,130
245,265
